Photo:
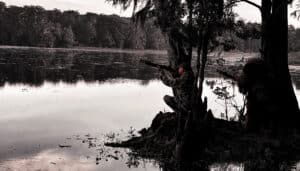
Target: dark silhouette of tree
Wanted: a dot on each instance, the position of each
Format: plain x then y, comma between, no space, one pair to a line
274,53
204,20
189,25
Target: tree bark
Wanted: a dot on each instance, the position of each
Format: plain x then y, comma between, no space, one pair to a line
277,63
282,101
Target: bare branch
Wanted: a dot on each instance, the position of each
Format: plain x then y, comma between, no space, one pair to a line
251,3
246,1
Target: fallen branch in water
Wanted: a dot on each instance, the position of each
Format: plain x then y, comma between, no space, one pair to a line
64,146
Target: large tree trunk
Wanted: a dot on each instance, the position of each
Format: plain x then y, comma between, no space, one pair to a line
280,108
277,63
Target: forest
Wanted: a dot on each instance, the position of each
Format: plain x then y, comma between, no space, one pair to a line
35,26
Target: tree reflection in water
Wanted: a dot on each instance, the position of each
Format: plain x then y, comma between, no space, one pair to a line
37,67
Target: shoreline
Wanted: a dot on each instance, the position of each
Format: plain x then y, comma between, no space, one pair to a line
87,49
233,54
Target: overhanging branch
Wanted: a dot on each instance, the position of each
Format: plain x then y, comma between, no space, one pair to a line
252,3
246,1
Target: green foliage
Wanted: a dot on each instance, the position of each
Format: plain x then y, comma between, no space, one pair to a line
154,37
86,29
68,37
294,39
247,30
35,26
166,14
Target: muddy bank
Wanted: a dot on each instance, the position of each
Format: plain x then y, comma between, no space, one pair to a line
229,142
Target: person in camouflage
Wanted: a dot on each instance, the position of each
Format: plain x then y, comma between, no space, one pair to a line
182,88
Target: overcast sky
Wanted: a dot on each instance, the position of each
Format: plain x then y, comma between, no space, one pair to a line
245,11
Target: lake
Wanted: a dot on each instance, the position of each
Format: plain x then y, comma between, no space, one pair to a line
59,107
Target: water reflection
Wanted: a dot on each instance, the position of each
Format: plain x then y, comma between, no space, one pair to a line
54,160
49,96
34,122
36,67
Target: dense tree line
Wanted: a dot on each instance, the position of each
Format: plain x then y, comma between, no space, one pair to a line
35,26
247,37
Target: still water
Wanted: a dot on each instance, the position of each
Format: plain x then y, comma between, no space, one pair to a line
57,109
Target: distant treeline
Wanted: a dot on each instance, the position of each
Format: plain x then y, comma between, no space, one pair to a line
248,37
35,26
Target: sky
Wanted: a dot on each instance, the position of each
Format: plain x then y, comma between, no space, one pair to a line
245,11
